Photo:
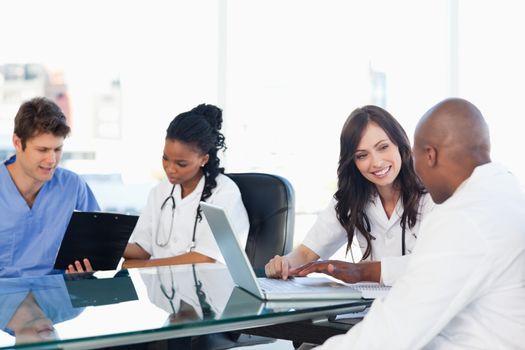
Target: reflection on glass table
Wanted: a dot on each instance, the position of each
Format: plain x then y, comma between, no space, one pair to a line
109,308
31,306
188,293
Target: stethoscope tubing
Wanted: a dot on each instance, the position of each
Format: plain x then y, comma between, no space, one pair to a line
173,206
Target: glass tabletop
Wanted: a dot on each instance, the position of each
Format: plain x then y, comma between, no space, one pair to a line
117,307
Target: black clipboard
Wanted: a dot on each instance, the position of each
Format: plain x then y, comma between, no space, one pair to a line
100,237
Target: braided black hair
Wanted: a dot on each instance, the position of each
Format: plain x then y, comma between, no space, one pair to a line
200,128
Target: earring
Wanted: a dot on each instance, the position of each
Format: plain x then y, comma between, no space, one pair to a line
202,165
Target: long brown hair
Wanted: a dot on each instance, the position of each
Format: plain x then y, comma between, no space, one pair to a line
355,192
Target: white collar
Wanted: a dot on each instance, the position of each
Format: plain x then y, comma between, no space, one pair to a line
177,193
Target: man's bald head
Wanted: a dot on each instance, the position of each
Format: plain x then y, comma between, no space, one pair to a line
451,139
458,126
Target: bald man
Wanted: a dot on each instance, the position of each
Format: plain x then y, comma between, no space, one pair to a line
464,286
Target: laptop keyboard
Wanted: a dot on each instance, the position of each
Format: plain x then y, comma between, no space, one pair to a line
276,285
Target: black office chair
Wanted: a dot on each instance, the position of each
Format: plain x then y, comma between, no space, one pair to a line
270,203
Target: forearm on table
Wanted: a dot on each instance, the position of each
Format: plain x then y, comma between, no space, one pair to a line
186,258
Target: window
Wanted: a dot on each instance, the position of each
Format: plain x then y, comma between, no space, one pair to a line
287,75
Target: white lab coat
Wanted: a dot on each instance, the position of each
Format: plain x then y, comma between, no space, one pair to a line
225,195
328,235
464,287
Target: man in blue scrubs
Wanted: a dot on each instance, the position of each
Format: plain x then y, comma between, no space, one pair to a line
37,198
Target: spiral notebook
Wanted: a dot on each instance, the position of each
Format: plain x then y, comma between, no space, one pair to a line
371,290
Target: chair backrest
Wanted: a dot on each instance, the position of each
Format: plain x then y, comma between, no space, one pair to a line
270,203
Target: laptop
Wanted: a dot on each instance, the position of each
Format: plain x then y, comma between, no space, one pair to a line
241,304
100,237
297,288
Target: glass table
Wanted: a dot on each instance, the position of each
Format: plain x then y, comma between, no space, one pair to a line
109,308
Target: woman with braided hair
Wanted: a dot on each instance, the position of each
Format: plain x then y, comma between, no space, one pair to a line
172,229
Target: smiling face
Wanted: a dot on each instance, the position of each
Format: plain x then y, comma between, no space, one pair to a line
376,157
39,159
183,163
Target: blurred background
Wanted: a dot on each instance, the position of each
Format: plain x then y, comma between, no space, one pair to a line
286,73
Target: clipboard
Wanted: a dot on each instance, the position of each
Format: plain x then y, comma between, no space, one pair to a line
100,237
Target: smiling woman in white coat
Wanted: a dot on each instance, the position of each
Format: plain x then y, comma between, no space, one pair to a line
379,202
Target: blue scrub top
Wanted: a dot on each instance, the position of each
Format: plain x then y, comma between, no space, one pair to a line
30,237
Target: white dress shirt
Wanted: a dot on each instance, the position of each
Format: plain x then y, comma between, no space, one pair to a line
328,235
148,232
464,287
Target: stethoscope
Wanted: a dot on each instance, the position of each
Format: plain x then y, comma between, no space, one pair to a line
368,229
207,311
171,295
172,199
